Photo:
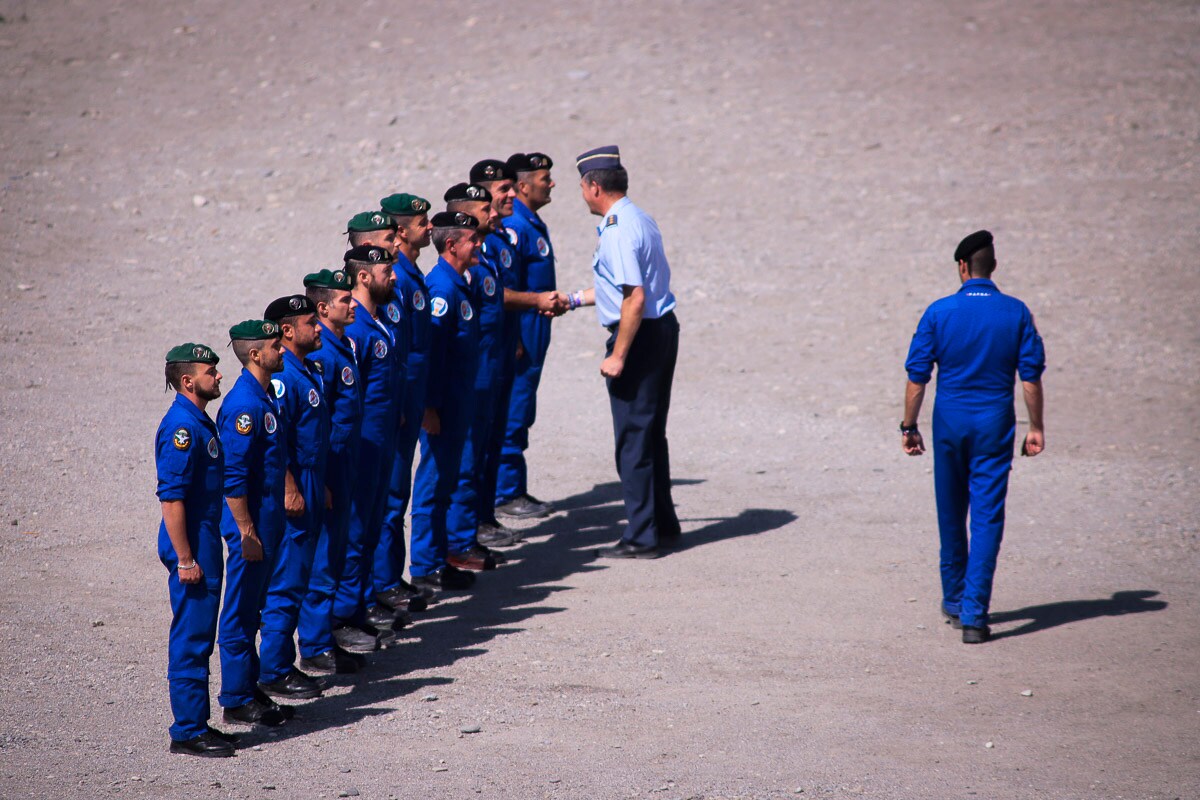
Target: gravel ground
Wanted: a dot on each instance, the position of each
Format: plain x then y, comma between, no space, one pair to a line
168,168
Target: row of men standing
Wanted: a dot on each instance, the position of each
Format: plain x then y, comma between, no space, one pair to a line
307,473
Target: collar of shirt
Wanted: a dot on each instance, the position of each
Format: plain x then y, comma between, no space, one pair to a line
192,409
409,267
613,209
360,312
976,282
339,343
522,211
452,273
258,390
303,364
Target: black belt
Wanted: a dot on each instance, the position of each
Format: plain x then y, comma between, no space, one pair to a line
645,320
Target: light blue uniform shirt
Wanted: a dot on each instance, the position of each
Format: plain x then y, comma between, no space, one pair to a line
630,253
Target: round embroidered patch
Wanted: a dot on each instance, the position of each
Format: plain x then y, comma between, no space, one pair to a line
506,258
380,348
393,313
314,398
512,236
439,306
347,376
419,300
543,247
277,385
489,285
182,439
269,422
212,448
243,424
464,308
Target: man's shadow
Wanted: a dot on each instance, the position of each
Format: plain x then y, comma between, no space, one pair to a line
461,624
1050,615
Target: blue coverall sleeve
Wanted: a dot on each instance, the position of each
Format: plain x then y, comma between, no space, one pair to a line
440,330
1031,362
239,447
921,352
174,465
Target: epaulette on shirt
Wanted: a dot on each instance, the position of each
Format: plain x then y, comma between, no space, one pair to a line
610,221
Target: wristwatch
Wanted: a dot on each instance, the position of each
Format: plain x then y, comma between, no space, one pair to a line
908,429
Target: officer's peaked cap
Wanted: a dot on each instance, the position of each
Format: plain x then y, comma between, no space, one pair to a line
607,157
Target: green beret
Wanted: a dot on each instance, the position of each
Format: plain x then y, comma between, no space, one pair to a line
404,205
371,221
191,353
330,279
253,330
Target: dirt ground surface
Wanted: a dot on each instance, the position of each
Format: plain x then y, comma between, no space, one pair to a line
170,167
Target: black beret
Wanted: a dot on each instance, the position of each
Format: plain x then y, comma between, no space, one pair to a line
454,219
972,245
291,306
467,192
368,254
529,162
491,169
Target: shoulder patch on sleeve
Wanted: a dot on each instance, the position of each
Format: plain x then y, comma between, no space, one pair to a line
278,386
512,236
439,306
243,424
182,439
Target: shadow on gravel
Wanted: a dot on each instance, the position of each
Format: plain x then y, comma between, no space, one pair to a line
1054,614
461,624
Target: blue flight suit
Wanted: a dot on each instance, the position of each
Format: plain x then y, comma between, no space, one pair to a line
413,298
381,373
979,338
301,393
453,361
255,439
471,502
630,253
497,251
191,466
531,241
343,398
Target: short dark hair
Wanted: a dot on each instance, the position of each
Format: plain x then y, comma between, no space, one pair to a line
176,370
609,180
982,262
242,348
322,294
443,236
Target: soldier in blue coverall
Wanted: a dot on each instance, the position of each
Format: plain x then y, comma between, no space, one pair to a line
252,519
487,297
190,466
411,215
497,251
300,390
531,241
449,403
329,292
979,338
381,377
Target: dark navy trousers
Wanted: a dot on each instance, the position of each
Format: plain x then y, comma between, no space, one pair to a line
972,457
640,399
